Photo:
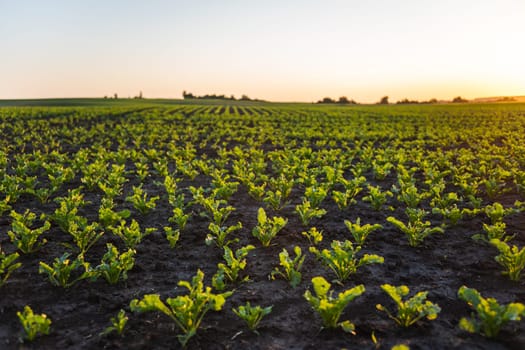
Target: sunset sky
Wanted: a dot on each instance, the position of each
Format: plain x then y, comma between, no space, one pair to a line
287,50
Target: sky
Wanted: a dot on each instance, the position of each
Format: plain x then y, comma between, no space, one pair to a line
287,50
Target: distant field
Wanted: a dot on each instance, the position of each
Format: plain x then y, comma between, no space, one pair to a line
93,102
104,202
79,102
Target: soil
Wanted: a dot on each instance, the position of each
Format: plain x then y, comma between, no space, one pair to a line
442,264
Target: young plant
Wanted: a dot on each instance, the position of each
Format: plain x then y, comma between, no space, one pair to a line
351,190
281,187
489,315
10,185
290,269
57,175
212,206
4,206
113,183
118,323
179,218
219,234
494,231
451,214
511,258
266,228
252,315
222,188
314,237
206,167
63,268
416,230
409,195
343,199
140,200
409,311
187,169
443,201
114,266
376,197
93,173
142,169
256,191
329,307
361,232
33,324
495,185
315,195
229,272
275,199
172,235
333,175
67,211
132,235
187,311
381,170
496,212
22,236
307,213
175,198
8,265
107,216
342,260
85,236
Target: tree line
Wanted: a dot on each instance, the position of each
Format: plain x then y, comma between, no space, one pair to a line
188,96
343,100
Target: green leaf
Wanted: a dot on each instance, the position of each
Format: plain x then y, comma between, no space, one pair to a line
514,311
261,216
347,326
467,325
321,286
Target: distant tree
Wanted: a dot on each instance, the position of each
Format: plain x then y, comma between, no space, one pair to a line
105,97
459,99
115,96
187,95
326,100
384,100
406,101
140,95
345,101
211,97
432,100
506,99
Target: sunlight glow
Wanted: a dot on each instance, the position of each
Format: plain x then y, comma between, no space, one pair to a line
275,50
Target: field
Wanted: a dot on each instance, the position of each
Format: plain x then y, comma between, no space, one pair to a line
182,188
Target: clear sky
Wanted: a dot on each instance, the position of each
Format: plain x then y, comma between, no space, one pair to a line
287,50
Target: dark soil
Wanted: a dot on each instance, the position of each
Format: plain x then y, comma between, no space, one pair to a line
440,266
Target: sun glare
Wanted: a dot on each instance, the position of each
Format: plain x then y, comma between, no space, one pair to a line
281,51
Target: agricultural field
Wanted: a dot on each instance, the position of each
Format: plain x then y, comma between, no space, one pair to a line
156,226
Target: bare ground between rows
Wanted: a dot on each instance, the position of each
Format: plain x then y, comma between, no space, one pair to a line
441,265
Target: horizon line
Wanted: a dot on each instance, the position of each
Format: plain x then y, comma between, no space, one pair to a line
256,99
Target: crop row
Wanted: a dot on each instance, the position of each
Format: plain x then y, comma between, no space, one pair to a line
100,182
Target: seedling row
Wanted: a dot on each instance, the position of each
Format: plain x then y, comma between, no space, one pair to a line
268,226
